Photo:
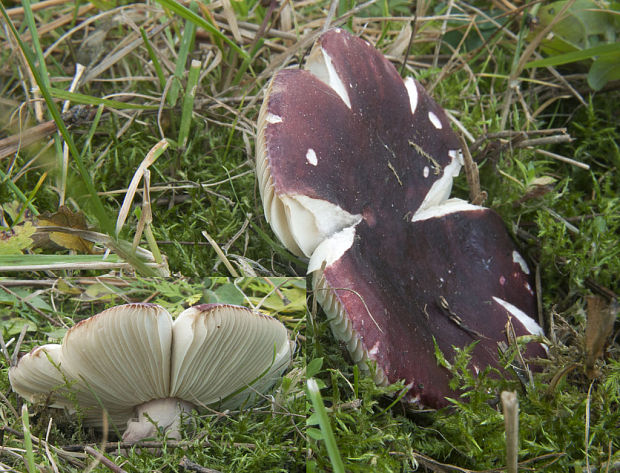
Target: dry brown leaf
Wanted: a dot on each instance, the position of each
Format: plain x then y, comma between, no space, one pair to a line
64,217
599,327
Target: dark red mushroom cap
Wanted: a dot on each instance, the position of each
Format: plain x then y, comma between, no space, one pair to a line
355,167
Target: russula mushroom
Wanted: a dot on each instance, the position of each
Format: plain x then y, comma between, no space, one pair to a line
145,370
355,168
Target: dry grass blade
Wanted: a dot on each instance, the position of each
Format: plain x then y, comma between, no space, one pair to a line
231,18
233,272
150,158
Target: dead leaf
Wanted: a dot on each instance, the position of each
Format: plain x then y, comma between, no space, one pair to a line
599,327
64,217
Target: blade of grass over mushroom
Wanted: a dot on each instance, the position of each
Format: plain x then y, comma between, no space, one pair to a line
326,429
187,42
276,246
30,464
100,212
188,102
189,15
83,99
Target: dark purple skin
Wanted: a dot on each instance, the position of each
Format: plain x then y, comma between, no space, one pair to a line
401,269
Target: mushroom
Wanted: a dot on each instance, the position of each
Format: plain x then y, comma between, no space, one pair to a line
355,169
146,370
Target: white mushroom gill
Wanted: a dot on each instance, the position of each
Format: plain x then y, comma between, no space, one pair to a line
310,221
145,370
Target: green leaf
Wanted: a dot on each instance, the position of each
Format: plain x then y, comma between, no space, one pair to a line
314,367
225,294
604,49
314,433
606,68
14,326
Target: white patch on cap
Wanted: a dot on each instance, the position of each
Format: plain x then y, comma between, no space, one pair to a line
412,91
273,118
456,154
528,322
435,120
374,350
517,258
440,190
445,208
331,249
320,64
426,171
334,80
311,157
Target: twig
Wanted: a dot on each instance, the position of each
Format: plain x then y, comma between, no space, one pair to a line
564,159
193,466
510,406
37,310
330,14
514,133
476,196
586,438
104,460
147,444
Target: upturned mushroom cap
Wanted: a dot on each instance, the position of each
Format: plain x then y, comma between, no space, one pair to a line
135,363
355,168
222,350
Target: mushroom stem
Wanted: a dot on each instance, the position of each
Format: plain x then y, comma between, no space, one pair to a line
165,413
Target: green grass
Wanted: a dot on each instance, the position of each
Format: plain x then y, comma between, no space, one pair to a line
564,217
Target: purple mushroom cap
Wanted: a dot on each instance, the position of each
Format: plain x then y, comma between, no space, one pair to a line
355,168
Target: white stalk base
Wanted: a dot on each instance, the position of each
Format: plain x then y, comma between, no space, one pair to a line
158,413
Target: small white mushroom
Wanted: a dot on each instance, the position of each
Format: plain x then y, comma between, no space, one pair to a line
146,370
